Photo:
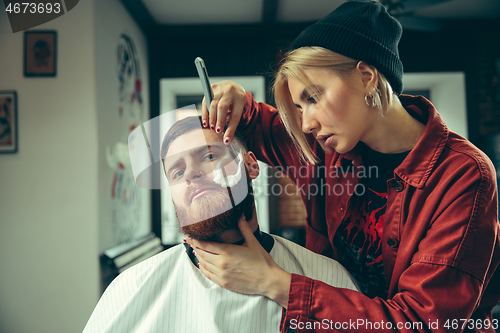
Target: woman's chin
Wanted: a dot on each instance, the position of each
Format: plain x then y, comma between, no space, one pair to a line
336,146
340,148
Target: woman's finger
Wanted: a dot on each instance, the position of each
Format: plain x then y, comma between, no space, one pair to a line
231,129
210,247
234,120
204,112
214,277
223,107
238,104
213,109
207,257
205,270
205,263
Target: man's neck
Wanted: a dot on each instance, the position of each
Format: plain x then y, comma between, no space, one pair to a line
234,235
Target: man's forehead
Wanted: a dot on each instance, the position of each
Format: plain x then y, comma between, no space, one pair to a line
195,138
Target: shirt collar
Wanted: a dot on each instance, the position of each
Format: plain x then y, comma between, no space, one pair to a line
417,167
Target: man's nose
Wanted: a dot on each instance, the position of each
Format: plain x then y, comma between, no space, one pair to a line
193,175
309,122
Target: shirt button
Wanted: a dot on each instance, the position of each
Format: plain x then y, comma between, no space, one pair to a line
392,242
341,209
398,185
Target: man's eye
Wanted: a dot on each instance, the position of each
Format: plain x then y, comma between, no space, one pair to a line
177,174
210,157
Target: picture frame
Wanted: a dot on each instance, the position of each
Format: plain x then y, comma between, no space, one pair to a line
40,53
8,122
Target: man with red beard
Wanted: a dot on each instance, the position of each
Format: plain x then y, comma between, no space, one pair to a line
211,187
198,167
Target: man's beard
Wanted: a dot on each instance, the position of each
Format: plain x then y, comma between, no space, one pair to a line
215,212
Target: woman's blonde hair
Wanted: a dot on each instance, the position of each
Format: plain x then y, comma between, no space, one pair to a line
293,65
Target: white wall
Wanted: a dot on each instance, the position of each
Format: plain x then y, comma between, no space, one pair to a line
50,191
447,94
48,208
119,218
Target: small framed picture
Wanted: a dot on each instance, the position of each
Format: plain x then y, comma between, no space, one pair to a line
8,122
40,53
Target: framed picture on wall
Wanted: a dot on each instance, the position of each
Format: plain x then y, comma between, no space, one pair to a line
8,122
40,53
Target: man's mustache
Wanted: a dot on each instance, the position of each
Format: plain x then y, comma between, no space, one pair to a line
201,185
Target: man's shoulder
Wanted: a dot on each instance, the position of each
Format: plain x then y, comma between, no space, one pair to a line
172,254
164,259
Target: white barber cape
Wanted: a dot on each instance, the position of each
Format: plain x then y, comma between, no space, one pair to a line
167,293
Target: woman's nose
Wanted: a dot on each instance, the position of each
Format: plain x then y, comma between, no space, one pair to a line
309,122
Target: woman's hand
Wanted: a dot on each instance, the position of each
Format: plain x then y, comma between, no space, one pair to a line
227,106
247,268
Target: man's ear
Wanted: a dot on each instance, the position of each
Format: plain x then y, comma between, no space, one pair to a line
251,164
368,75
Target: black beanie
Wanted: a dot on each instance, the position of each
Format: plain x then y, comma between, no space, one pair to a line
361,31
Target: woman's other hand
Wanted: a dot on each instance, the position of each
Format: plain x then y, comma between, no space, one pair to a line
226,107
247,268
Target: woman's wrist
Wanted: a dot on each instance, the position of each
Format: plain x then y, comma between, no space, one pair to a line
279,286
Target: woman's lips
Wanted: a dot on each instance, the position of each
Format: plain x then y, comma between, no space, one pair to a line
327,139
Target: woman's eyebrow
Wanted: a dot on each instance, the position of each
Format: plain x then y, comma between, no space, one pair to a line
308,90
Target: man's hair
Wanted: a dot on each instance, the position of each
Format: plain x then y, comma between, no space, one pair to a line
188,124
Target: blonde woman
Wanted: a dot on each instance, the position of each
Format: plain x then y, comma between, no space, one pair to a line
406,205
